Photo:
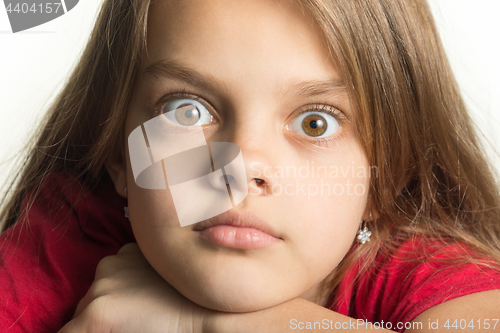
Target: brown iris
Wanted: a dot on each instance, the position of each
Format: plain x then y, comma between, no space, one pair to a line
314,125
187,114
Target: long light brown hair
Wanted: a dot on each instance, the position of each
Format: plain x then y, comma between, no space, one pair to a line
433,178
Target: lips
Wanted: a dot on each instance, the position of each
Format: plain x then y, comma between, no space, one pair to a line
237,230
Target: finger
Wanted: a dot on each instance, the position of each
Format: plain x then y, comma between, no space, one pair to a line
132,254
128,255
76,325
83,303
70,327
129,248
94,318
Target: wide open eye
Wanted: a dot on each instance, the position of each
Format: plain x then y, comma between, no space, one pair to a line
315,124
187,112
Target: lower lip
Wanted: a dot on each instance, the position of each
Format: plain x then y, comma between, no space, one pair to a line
237,237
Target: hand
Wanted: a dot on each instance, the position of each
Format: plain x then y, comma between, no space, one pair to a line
128,295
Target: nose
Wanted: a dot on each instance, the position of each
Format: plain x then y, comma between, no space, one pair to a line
221,182
238,167
257,150
229,172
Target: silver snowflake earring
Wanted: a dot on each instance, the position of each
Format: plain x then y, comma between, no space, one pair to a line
126,208
363,234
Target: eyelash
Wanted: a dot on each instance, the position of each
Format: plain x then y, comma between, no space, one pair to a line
317,107
178,95
330,110
324,107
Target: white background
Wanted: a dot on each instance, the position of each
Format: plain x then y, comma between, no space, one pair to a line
34,65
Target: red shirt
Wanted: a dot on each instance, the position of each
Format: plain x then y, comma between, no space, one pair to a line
48,260
397,288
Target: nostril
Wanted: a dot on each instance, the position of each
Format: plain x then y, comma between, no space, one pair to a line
260,181
227,179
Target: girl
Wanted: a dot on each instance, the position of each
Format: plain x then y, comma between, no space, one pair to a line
347,117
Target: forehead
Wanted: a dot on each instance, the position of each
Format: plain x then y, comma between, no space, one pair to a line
230,35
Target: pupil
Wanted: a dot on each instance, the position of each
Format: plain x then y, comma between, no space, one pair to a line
316,123
187,115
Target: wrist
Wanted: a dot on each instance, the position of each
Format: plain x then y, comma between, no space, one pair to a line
264,320
217,322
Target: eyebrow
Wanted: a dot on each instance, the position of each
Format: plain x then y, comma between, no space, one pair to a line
314,88
171,69
175,70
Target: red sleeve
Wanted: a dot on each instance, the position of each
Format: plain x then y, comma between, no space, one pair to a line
48,258
420,275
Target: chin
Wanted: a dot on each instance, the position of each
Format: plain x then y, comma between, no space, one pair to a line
232,297
235,303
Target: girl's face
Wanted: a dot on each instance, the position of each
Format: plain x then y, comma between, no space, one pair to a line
261,73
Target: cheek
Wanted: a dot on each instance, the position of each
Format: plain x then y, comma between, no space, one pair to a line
149,208
152,208
328,214
326,232
335,214
156,228
155,225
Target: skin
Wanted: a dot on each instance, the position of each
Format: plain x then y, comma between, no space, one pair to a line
252,55
254,48
128,295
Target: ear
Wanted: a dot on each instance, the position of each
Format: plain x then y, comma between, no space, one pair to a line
118,173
